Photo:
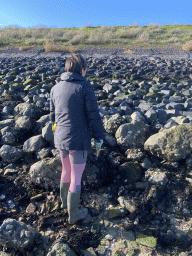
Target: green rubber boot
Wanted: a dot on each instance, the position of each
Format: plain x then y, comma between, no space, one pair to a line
64,187
75,214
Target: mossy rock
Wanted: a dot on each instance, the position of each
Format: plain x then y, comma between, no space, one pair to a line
158,79
172,144
16,86
121,96
35,87
149,241
29,81
101,249
155,89
130,96
131,171
160,94
61,248
133,77
91,79
121,244
151,95
28,87
141,92
117,75
178,131
117,253
43,77
132,245
127,75
131,253
115,212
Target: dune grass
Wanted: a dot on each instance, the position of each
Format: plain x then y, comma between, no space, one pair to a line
72,39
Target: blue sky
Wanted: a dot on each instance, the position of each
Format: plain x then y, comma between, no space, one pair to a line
78,13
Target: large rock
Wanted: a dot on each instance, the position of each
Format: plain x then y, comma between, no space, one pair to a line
34,144
10,154
47,170
111,123
15,234
7,122
23,122
115,212
130,171
149,241
47,133
41,123
127,203
27,109
132,135
4,254
171,144
61,249
8,135
151,116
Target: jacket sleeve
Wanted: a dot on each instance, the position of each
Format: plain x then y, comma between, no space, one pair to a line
52,108
92,112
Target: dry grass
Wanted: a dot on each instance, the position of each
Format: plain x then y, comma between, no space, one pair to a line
50,47
101,35
130,33
153,25
187,46
143,37
128,52
64,39
77,38
3,48
24,48
71,48
98,39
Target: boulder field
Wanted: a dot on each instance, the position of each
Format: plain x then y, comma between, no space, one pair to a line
138,192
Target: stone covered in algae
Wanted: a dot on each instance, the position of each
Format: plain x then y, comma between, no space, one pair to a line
115,212
29,81
149,241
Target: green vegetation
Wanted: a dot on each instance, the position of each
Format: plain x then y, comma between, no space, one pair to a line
177,131
58,39
149,241
115,212
151,94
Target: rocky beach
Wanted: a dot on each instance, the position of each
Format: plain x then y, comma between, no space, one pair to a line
139,190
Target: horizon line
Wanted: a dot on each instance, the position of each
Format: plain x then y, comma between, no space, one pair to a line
89,26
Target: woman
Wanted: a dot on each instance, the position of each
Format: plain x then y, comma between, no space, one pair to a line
74,109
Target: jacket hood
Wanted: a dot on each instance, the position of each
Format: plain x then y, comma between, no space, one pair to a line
69,76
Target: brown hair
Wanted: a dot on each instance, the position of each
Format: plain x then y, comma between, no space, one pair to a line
75,64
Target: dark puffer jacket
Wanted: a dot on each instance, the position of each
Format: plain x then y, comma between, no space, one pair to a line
73,106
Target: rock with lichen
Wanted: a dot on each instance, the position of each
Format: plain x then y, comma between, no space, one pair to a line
171,144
